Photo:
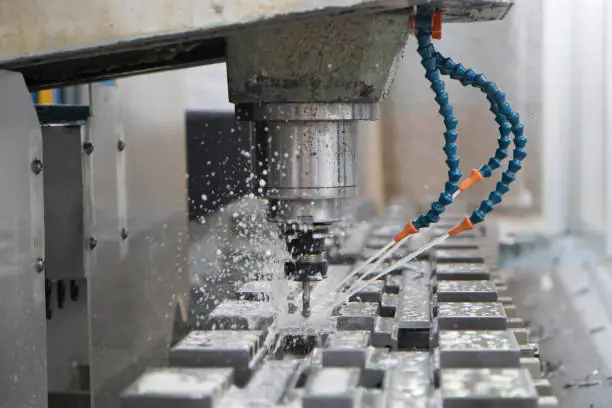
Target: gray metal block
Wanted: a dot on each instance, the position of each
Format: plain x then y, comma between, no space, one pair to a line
527,350
382,335
373,374
533,365
478,349
358,316
332,388
515,323
462,271
548,402
393,283
179,388
372,292
511,311
409,361
218,349
466,291
543,387
413,316
458,256
388,305
261,290
241,315
487,387
471,316
346,349
521,335
408,383
270,382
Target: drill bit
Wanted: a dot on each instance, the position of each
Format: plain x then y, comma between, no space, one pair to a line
305,298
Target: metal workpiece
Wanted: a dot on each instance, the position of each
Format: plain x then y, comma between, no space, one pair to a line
411,328
409,383
389,304
372,292
381,354
466,291
240,315
462,271
262,290
495,387
532,364
393,283
358,316
346,349
23,349
221,348
270,383
332,388
382,335
471,316
178,387
478,349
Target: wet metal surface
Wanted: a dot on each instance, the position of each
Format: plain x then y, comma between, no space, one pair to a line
355,358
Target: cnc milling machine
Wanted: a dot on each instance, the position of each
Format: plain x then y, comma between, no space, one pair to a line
302,75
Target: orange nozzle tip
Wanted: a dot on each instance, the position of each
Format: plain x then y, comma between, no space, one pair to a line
465,225
474,177
408,230
436,25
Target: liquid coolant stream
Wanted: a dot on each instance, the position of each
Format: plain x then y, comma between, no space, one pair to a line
354,290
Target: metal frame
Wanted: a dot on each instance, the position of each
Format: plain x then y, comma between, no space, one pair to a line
23,344
113,39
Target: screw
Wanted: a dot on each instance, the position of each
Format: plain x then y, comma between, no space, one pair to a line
120,145
39,265
36,166
124,234
92,243
88,148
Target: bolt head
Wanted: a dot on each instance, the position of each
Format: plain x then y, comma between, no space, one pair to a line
39,265
88,148
36,166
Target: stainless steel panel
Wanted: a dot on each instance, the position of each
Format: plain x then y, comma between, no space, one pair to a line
23,371
136,213
63,202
